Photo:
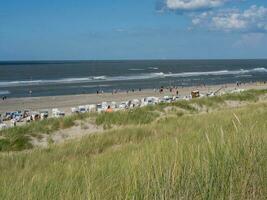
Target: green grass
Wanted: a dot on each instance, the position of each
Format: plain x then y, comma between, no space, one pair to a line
133,116
218,155
249,95
186,105
18,138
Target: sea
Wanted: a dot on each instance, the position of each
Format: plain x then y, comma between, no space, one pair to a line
51,78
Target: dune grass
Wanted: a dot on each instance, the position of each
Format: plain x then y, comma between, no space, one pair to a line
133,116
18,138
248,96
218,155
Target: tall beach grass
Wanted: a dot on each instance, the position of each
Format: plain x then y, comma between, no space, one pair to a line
218,155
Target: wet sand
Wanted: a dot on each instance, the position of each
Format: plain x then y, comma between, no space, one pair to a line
64,103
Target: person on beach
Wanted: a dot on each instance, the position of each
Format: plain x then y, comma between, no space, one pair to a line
109,110
14,122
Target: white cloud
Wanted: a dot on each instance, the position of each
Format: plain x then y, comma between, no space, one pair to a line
254,18
193,4
229,21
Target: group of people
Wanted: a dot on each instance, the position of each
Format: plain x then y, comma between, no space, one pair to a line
115,91
160,90
171,89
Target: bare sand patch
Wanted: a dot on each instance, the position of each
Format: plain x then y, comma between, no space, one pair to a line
76,132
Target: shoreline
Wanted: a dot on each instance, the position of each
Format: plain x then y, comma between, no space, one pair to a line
65,102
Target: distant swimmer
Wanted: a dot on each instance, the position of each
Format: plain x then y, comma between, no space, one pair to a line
30,92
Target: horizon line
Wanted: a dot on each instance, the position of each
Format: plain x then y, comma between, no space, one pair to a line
153,59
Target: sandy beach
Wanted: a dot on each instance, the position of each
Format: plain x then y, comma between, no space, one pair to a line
64,103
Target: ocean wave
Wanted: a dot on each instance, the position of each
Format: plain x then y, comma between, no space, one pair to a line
260,69
43,82
144,76
155,68
4,92
217,73
99,78
136,69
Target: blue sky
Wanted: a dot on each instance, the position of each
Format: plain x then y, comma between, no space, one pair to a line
132,29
